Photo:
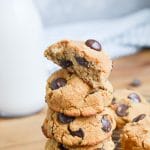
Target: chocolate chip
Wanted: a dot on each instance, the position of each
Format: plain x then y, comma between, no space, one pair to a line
57,83
93,44
135,83
113,101
78,133
82,61
134,97
116,135
65,63
106,124
116,138
61,147
138,118
121,110
64,119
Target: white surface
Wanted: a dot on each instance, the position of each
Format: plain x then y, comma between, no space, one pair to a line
21,74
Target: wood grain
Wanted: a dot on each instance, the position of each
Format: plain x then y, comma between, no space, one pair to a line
22,133
25,133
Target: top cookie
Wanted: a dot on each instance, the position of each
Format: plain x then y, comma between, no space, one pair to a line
86,59
136,135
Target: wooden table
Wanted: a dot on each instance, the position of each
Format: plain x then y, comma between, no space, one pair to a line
25,133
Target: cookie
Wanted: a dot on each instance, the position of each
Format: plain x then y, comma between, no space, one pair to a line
127,105
136,135
51,144
79,131
86,59
67,93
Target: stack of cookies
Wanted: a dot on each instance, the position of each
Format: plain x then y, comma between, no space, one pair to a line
77,96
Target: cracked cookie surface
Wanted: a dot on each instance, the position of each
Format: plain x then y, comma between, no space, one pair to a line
79,131
86,59
127,104
51,144
68,94
136,135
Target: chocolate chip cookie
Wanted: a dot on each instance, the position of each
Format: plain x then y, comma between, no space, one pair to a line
127,105
80,131
67,93
51,144
136,135
87,59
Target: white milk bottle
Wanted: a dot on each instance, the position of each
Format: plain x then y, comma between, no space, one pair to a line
21,75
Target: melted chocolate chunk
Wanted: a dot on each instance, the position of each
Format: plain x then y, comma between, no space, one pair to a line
82,61
61,147
57,83
65,119
65,63
134,97
138,118
106,124
78,133
121,110
135,83
93,44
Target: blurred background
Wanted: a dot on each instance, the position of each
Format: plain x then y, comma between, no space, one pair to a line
27,27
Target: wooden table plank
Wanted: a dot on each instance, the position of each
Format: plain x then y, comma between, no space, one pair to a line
25,133
22,133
